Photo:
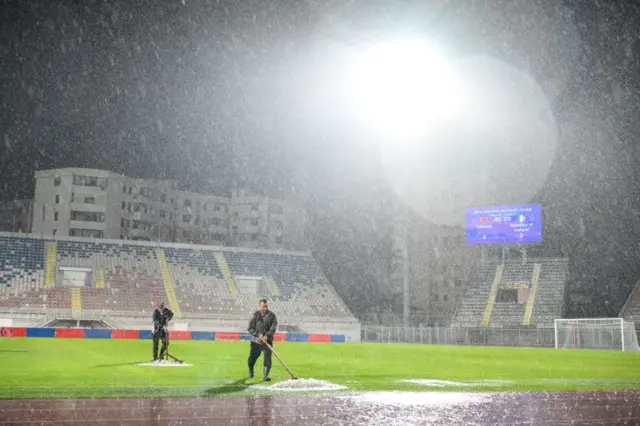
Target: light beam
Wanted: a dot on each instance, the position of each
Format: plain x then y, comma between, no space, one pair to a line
403,86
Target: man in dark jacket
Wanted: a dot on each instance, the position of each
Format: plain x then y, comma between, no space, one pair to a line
161,318
262,327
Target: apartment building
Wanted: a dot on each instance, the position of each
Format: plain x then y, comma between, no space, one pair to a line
102,204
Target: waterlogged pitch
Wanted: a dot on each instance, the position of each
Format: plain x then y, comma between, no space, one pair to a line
53,368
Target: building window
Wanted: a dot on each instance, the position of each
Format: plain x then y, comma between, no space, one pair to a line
187,202
186,218
86,233
162,213
80,180
140,225
445,297
87,216
278,225
89,200
43,213
124,189
56,181
458,283
130,190
55,216
255,207
124,205
129,207
55,231
254,222
57,199
163,198
279,240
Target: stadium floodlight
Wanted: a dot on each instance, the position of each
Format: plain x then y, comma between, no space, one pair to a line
403,86
596,333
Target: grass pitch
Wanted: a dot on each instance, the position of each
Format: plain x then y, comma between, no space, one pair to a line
77,368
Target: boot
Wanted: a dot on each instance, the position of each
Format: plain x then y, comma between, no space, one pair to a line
251,371
266,374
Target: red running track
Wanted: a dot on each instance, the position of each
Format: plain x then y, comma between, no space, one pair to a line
374,408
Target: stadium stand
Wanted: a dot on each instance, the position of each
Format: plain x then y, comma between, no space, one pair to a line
78,278
631,309
475,298
22,275
550,295
514,294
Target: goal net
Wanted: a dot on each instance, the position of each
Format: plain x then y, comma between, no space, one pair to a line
596,333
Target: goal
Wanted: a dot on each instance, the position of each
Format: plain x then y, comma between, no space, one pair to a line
596,333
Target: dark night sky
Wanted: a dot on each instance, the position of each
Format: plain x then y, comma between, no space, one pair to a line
176,89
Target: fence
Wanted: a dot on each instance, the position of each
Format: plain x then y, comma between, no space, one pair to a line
489,336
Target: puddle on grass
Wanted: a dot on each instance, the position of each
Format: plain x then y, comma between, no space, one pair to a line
301,385
164,363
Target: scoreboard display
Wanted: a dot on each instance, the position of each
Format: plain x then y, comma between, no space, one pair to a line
504,225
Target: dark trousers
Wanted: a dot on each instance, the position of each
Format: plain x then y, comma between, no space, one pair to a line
157,336
256,350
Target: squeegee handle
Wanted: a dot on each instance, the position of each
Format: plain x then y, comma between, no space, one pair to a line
280,359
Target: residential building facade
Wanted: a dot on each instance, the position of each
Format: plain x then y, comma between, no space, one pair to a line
102,204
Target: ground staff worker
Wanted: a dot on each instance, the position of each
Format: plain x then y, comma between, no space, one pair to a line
262,327
161,318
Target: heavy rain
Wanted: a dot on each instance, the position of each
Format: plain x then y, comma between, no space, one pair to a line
328,212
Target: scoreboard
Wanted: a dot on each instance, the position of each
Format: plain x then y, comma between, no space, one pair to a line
504,224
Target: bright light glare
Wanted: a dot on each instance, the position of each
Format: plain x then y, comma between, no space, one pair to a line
404,87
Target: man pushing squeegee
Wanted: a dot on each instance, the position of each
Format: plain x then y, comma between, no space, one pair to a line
262,327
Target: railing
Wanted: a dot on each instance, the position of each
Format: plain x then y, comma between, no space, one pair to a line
480,336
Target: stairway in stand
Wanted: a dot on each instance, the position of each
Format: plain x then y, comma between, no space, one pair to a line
492,295
50,265
226,272
169,285
100,278
273,286
535,279
76,303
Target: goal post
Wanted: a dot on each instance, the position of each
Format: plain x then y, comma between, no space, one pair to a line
596,333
